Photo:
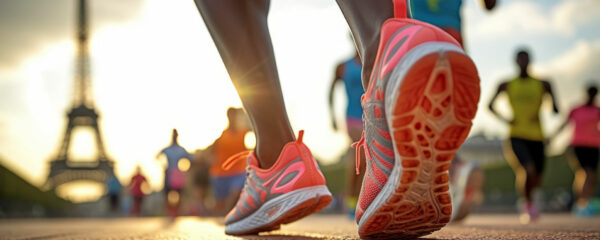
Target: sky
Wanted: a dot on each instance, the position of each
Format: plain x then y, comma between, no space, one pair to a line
155,67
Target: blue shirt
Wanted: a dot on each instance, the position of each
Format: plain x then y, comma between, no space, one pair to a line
113,185
174,153
352,77
441,13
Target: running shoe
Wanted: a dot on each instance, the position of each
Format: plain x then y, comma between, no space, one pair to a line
292,188
466,182
585,212
418,107
529,213
594,204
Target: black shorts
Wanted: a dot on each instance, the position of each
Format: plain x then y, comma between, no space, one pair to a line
587,157
529,152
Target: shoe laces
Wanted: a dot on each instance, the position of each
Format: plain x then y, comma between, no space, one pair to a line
235,158
357,146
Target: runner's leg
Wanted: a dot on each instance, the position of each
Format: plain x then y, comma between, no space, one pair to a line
588,160
365,19
239,30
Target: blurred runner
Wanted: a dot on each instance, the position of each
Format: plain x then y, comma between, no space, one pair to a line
586,145
525,95
174,177
136,184
201,176
411,71
113,191
466,178
349,72
227,183
444,14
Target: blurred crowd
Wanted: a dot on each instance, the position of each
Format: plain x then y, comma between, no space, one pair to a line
194,183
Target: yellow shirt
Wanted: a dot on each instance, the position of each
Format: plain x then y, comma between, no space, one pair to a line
525,97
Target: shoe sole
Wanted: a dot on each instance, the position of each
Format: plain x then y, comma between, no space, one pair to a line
433,95
283,209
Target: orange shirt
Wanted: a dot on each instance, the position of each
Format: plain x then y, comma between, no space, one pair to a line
227,145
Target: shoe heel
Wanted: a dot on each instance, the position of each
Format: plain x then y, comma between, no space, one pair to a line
431,98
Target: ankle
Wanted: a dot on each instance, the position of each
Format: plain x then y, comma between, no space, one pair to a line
268,153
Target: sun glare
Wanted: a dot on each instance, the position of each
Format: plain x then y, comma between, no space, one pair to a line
184,165
83,145
146,81
173,197
250,140
81,191
146,188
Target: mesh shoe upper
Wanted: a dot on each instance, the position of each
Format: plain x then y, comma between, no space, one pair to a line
295,169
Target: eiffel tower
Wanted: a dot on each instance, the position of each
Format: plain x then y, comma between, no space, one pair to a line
82,114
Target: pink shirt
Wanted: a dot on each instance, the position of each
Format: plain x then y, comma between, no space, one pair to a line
586,119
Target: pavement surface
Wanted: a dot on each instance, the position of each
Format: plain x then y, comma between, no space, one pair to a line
562,226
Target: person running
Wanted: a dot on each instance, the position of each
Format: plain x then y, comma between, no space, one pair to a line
586,145
174,178
349,72
444,14
113,187
135,186
421,96
228,182
466,178
201,178
525,95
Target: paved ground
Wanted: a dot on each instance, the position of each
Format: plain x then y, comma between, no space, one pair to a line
314,227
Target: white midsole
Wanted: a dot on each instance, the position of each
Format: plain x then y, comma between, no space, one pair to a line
268,212
391,93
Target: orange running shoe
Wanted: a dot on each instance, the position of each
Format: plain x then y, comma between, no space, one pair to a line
422,95
292,188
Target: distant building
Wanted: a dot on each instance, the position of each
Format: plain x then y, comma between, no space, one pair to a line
482,149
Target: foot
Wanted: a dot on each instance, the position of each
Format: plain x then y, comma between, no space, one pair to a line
529,213
350,203
291,189
595,204
418,108
586,210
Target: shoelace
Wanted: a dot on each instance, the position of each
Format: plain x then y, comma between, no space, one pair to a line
235,158
357,146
